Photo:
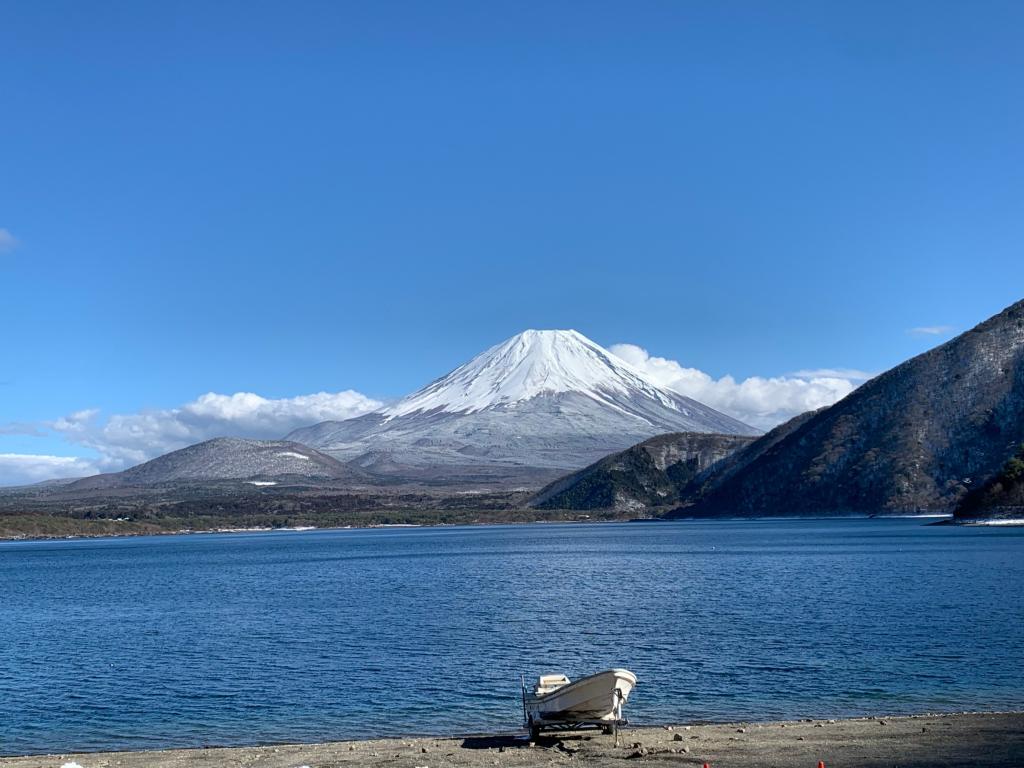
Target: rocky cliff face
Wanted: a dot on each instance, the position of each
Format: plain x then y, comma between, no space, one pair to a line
913,439
648,475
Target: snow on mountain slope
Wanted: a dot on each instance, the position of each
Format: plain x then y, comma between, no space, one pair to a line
548,400
530,364
227,458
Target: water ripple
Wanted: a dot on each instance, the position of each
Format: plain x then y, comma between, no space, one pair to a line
185,641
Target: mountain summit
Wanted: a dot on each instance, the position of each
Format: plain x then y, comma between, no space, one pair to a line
532,364
538,403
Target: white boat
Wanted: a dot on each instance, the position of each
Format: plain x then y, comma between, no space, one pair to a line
592,700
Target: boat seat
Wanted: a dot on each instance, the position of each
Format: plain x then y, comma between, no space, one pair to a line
549,683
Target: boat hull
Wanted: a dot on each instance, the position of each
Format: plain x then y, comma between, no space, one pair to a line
596,698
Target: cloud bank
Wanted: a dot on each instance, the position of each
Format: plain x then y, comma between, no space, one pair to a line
27,468
123,440
126,439
760,402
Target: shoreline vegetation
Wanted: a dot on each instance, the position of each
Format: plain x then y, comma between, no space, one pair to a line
39,513
46,528
981,740
49,527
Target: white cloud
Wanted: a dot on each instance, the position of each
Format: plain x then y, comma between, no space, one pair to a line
852,374
931,330
26,468
21,428
126,439
8,242
758,401
123,440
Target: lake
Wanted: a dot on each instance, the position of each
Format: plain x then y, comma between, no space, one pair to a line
309,636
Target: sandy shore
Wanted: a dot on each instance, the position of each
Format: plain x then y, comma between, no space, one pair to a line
969,740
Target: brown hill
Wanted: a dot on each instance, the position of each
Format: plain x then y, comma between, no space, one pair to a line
913,439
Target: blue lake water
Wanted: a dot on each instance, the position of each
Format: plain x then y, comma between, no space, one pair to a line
308,636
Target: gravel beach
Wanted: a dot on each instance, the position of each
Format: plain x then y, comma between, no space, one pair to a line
973,740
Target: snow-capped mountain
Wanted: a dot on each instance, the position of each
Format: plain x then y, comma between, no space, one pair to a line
542,401
529,365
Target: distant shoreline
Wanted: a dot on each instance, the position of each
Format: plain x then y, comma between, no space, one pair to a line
213,532
940,519
981,740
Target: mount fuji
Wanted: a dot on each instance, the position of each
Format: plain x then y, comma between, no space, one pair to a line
534,406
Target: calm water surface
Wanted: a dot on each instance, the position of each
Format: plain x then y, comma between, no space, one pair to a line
233,639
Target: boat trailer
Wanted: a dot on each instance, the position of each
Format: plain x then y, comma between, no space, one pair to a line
573,722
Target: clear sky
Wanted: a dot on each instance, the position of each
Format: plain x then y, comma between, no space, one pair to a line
290,198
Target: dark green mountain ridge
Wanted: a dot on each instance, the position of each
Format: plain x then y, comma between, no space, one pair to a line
1001,497
651,474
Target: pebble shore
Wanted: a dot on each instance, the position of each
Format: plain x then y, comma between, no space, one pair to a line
920,741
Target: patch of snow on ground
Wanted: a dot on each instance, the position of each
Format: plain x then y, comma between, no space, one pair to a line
262,482
1012,521
293,455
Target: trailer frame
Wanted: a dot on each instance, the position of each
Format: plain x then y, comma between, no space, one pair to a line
535,727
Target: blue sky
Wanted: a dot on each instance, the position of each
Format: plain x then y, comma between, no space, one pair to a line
289,198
